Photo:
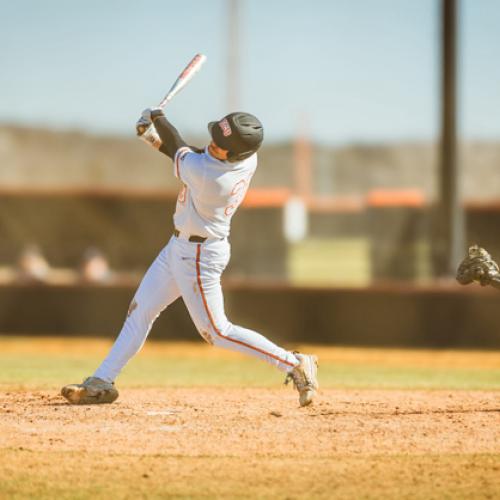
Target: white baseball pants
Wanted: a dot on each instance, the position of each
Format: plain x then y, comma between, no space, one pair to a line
193,271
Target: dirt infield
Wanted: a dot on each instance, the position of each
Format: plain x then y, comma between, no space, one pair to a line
228,442
243,422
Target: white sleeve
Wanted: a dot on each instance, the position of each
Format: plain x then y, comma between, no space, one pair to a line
187,167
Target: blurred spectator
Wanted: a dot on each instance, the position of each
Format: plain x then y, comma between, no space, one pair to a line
95,267
32,265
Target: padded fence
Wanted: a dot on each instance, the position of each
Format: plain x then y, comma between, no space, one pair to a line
389,316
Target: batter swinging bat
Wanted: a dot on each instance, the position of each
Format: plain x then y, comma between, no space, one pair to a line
182,80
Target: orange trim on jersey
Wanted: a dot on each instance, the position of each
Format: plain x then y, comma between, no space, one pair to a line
211,319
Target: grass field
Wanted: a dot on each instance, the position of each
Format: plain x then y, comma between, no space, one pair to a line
196,422
322,261
343,261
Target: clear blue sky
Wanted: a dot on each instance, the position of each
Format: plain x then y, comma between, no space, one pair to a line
351,69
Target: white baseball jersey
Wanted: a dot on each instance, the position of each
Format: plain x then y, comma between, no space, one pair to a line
212,191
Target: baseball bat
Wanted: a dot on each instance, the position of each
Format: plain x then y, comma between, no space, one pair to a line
184,78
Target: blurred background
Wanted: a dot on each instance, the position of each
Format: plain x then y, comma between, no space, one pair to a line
380,164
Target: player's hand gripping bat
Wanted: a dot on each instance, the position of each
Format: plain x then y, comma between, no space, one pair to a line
182,80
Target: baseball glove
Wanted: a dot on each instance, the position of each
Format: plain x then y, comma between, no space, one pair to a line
478,266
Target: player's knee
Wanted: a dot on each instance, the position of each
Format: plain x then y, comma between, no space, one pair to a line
143,314
225,330
215,332
223,327
207,335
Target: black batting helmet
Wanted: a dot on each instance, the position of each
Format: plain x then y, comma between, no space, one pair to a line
241,134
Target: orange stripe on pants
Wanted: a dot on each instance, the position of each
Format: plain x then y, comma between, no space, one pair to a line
212,322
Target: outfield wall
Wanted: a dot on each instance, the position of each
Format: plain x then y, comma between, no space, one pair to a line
130,229
378,316
64,224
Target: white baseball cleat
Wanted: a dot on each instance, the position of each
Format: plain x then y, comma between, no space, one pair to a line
93,390
305,377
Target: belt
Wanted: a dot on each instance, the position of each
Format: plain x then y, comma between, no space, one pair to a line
193,238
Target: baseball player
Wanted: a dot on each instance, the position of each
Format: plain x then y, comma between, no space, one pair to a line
478,266
214,183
